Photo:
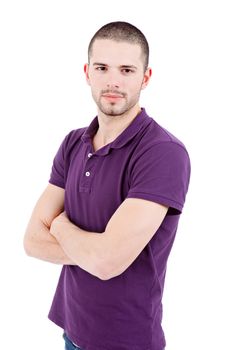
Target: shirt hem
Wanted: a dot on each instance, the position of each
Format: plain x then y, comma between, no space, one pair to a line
86,346
158,199
57,183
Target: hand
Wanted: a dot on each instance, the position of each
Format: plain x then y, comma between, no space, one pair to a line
58,224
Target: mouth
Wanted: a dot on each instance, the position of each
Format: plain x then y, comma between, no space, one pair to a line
112,97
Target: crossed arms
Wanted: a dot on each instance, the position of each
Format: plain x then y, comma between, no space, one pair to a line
50,235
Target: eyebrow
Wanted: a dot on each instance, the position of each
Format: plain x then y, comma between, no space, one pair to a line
122,66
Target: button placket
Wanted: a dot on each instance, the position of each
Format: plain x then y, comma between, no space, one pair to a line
88,172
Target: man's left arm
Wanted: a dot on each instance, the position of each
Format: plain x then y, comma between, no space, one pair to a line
109,253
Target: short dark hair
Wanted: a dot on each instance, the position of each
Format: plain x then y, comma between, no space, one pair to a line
122,31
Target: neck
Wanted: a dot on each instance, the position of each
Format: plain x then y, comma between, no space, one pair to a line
112,126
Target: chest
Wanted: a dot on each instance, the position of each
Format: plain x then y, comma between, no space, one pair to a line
96,184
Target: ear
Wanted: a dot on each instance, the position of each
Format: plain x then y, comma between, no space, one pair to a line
147,76
86,71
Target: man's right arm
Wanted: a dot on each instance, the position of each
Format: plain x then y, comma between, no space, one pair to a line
38,242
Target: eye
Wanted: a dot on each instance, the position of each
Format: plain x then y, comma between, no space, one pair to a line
101,68
127,70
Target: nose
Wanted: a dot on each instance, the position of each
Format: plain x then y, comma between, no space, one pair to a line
112,86
113,81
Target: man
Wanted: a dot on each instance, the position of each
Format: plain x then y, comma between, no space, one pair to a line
110,211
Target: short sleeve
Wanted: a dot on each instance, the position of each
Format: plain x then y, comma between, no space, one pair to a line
57,176
161,174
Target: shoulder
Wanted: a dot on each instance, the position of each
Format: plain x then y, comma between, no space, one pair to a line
157,141
72,139
75,135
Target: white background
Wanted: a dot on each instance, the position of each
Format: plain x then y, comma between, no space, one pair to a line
44,95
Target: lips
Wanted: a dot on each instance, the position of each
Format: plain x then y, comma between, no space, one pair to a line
112,96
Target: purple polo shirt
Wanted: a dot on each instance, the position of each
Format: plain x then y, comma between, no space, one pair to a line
144,161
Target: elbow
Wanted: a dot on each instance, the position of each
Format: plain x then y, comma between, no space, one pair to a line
103,275
108,271
108,276
104,263
100,270
27,249
27,245
97,271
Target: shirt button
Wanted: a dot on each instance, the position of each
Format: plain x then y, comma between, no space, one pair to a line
89,155
87,173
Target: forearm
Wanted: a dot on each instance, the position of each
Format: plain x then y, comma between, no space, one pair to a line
86,249
45,247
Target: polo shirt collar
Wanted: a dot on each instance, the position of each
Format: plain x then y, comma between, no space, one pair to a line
126,135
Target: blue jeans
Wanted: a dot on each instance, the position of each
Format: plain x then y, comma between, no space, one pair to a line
69,345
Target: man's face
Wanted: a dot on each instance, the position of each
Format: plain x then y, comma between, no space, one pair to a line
116,75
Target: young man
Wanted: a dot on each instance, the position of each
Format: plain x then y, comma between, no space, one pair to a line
110,211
